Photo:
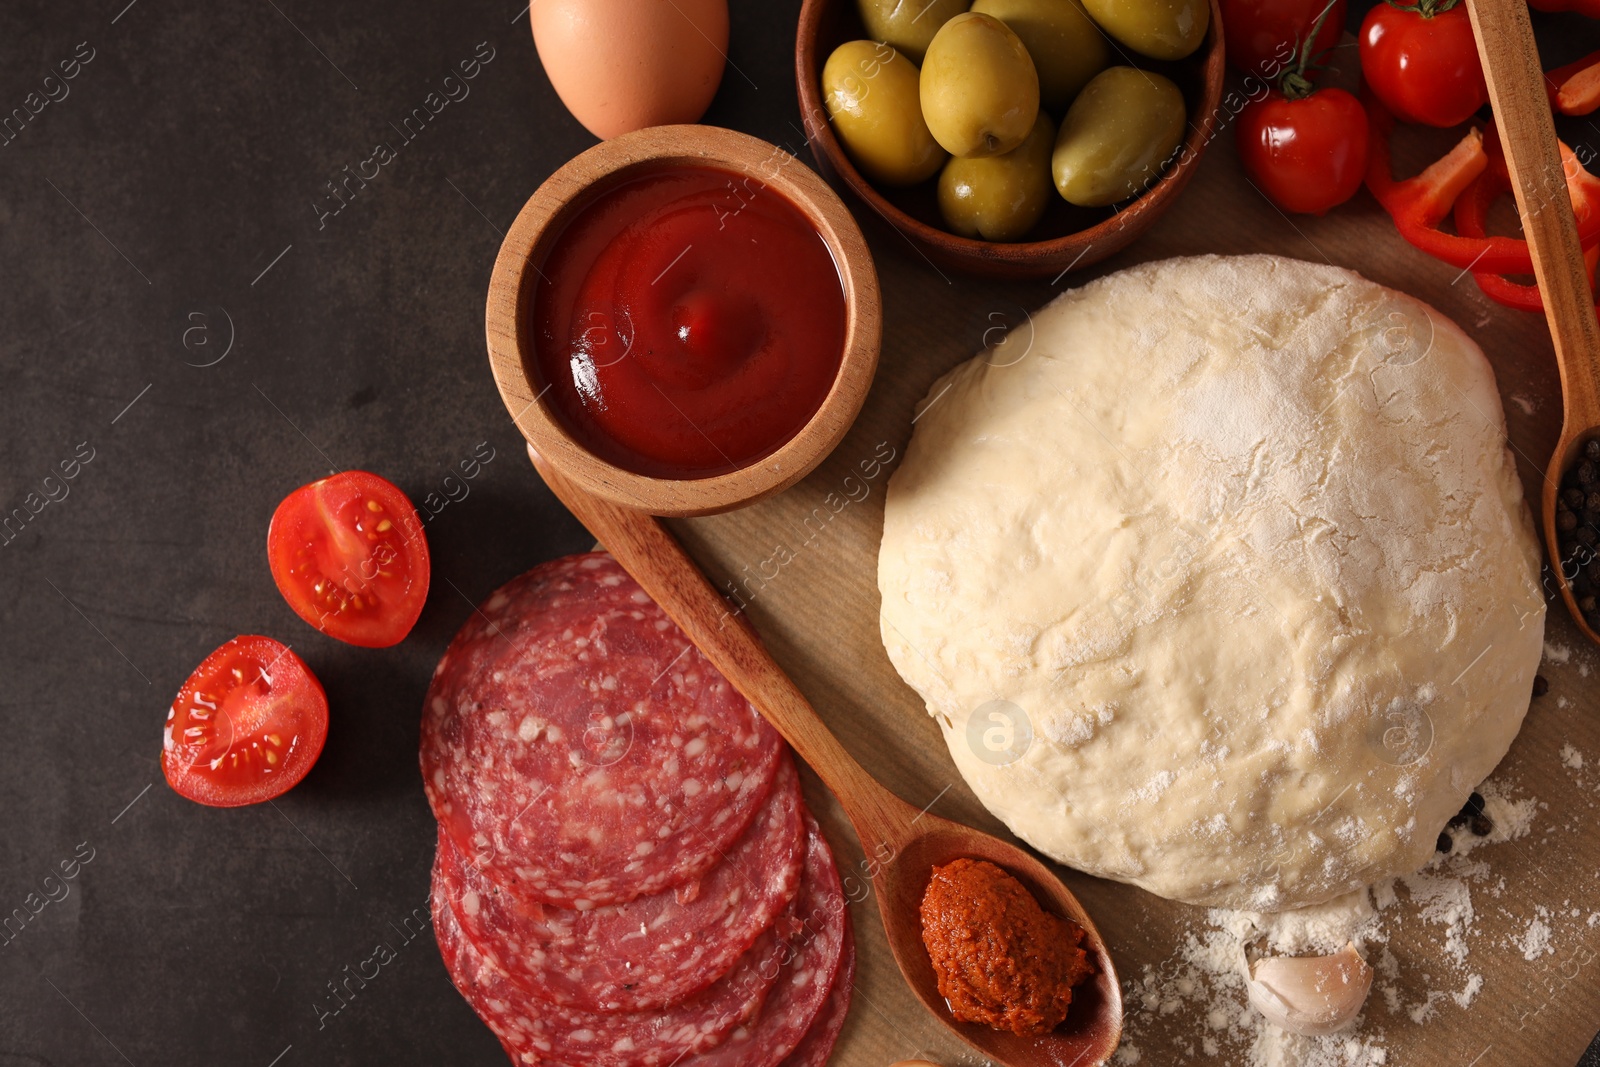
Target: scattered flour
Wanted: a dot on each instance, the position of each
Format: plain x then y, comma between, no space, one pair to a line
1200,992
1469,992
1206,980
1535,942
1444,901
1571,757
1557,653
1512,819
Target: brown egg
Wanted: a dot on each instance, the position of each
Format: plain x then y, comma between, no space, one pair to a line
622,65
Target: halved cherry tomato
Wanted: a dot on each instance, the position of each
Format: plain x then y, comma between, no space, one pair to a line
349,556
1265,36
246,726
1422,61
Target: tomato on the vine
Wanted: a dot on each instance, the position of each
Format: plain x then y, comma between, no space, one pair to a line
1307,154
1305,148
349,555
1263,36
1422,61
246,726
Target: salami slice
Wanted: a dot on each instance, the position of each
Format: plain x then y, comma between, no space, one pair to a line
536,1032
815,1048
819,929
578,749
655,949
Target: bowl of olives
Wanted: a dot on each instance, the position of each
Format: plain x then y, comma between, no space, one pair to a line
1013,138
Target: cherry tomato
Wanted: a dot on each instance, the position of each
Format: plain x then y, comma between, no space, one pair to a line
349,556
1306,155
1424,67
246,726
1264,36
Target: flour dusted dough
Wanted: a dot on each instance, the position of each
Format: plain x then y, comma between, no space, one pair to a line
1239,543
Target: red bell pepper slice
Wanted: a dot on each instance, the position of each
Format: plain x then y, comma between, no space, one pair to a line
1419,204
1472,213
1575,88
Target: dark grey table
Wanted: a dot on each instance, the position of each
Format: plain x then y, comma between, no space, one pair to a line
187,302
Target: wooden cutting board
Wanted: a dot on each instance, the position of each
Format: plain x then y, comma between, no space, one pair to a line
806,562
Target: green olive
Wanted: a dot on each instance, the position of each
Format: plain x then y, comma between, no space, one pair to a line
1066,46
1160,29
980,93
1117,134
908,25
872,95
1001,197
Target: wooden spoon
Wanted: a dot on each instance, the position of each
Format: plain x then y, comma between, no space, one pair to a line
1528,132
902,844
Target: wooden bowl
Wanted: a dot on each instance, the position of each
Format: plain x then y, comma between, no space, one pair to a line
511,335
1067,236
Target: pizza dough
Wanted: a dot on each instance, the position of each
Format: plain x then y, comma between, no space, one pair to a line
1219,579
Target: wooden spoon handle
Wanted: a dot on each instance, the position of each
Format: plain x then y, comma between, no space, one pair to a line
1528,133
659,564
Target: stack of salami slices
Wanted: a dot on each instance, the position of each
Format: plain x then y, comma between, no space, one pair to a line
627,875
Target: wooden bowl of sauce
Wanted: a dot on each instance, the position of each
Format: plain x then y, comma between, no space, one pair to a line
1067,237
684,320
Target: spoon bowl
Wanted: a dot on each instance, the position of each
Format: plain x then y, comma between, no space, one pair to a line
1568,453
1094,1023
902,844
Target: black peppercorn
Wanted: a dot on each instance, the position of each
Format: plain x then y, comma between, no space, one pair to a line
1444,843
1578,529
1482,825
1541,685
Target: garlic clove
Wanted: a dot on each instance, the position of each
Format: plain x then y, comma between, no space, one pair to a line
1310,995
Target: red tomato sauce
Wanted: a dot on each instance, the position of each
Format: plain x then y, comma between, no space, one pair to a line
689,323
